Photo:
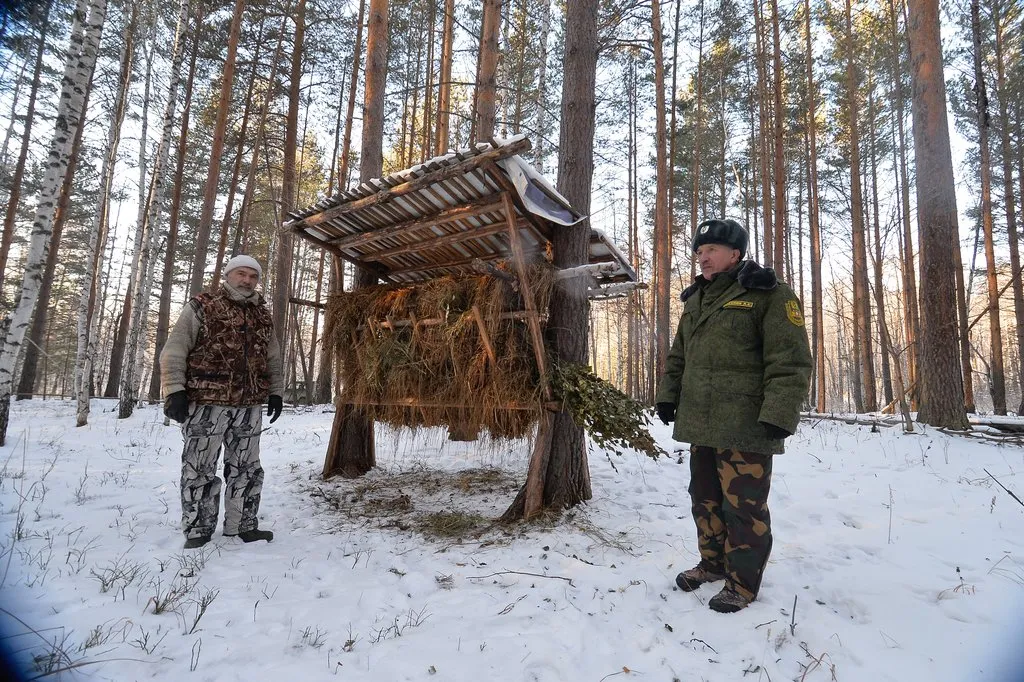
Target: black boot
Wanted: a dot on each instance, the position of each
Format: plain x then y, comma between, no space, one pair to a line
195,543
253,535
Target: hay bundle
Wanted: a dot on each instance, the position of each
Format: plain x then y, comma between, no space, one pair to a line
415,356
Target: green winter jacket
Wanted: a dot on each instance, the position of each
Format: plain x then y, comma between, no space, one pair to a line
740,360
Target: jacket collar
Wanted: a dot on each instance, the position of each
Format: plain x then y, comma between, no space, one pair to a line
236,296
747,273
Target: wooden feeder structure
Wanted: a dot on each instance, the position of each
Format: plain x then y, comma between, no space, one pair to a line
478,212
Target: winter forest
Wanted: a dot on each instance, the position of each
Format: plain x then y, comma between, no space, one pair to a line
872,149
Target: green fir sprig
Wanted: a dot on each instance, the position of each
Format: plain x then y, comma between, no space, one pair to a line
614,421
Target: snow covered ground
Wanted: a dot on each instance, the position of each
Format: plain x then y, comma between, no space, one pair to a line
904,558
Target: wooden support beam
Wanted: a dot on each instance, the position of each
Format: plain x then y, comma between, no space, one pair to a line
532,319
614,290
590,269
536,472
311,304
372,267
461,168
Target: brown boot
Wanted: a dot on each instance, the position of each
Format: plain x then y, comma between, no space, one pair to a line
691,579
728,601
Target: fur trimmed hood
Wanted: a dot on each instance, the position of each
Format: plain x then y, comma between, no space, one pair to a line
748,273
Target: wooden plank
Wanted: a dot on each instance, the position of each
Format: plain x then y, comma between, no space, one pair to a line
437,241
479,207
372,267
426,180
305,302
536,473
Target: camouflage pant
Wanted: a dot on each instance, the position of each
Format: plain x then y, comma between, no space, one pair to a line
729,498
207,428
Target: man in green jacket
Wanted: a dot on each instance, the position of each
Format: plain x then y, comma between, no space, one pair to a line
734,381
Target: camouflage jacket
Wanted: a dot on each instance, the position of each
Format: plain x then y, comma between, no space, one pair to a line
222,351
740,359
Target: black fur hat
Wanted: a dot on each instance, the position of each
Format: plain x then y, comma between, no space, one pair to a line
722,231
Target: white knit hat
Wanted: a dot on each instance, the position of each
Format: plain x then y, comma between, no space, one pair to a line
243,261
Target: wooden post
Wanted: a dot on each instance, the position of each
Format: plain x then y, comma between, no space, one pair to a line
537,470
484,336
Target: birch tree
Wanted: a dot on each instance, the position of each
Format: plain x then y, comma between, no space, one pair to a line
145,258
87,28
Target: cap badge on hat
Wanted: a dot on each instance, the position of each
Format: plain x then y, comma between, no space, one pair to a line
704,229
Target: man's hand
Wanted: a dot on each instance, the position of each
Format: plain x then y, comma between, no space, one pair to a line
176,406
274,405
775,432
666,412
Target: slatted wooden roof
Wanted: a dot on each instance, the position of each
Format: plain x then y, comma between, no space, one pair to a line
451,215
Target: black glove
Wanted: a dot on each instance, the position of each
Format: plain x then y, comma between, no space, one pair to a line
176,406
274,405
666,412
775,432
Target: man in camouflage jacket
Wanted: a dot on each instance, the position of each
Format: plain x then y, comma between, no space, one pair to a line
220,363
734,382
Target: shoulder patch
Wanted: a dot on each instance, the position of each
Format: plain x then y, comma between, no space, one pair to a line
793,312
746,305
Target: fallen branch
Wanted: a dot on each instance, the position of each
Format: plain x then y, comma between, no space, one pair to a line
536,575
1008,491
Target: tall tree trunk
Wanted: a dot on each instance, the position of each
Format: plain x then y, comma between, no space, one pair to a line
778,170
170,256
567,476
90,284
861,292
146,256
879,286
1006,151
942,395
763,116
289,183
350,452
542,84
912,318
486,73
124,323
216,151
26,138
38,332
236,167
444,78
997,379
697,123
662,229
817,299
81,58
357,52
242,242
428,94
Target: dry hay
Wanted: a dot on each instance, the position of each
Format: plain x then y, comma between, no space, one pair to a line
437,372
441,505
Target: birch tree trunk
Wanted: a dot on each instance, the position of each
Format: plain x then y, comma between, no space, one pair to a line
145,260
163,318
85,355
26,138
81,58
